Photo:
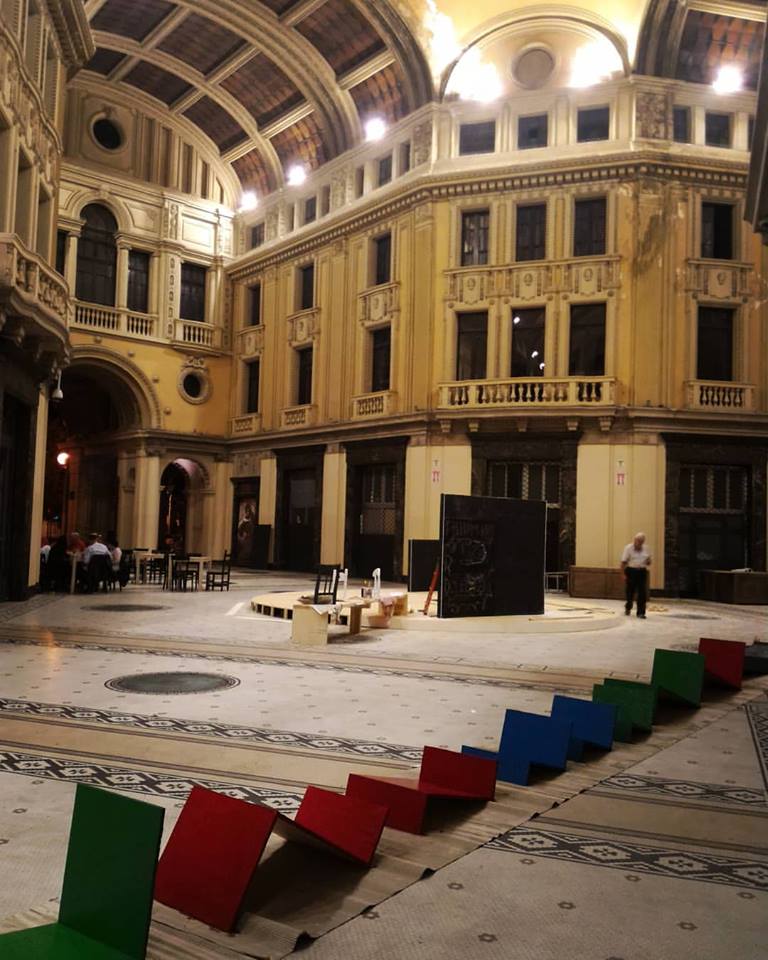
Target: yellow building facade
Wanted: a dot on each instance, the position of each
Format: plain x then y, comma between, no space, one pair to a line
552,294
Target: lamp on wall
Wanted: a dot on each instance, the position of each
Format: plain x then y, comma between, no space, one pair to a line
58,393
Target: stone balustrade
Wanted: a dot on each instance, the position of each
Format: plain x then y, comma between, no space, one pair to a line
521,393
720,395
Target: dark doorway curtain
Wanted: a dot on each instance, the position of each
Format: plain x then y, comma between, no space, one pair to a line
172,524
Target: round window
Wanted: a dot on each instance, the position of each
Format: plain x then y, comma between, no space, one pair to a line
193,385
533,68
107,134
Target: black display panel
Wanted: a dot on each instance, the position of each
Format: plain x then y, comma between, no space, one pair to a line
423,557
492,556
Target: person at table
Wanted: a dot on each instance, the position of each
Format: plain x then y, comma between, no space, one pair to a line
96,547
57,566
75,542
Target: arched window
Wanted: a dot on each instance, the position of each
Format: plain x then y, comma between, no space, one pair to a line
97,256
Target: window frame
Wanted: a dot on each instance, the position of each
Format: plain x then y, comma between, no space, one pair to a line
532,245
532,116
580,203
252,393
302,287
147,256
476,124
379,382
304,375
593,108
381,277
199,269
474,258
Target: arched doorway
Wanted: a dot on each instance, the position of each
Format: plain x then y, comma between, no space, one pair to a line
82,491
172,522
180,520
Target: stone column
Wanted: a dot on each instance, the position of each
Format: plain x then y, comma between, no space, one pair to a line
147,498
218,537
70,268
121,280
38,487
334,504
268,497
432,468
9,166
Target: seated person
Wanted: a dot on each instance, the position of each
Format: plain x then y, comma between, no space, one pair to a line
96,547
116,553
75,542
97,561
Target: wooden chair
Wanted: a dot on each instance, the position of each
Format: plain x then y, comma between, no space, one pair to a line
218,573
106,897
99,573
326,583
184,574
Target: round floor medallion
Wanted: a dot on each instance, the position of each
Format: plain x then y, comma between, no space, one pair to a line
126,607
177,681
688,616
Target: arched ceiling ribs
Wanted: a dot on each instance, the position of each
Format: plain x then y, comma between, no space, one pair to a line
200,87
400,40
298,60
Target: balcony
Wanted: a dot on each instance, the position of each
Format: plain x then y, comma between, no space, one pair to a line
292,418
245,426
726,280
114,320
381,404
201,336
720,396
521,394
250,341
34,301
379,304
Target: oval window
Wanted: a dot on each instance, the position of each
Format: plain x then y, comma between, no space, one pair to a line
193,385
107,134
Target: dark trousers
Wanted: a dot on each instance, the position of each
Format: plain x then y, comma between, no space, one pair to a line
636,583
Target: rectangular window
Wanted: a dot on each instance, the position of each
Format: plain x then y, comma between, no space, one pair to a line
532,131
750,131
307,287
592,123
325,200
381,345
717,231
471,345
138,281
681,124
587,343
254,317
61,251
589,227
290,218
359,181
477,137
193,278
252,387
714,345
528,342
531,233
257,235
383,258
717,129
304,377
405,157
474,238
310,209
385,170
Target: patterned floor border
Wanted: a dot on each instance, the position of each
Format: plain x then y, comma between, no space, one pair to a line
226,731
757,715
635,858
301,664
678,789
137,781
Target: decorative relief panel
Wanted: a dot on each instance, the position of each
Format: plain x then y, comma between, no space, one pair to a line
652,115
271,225
588,278
251,341
380,305
422,143
303,327
719,281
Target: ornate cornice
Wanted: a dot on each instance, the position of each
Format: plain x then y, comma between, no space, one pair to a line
73,32
619,168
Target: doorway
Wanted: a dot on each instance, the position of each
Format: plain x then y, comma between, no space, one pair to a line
14,487
374,538
300,520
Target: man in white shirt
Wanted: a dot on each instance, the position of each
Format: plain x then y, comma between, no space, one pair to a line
635,561
95,547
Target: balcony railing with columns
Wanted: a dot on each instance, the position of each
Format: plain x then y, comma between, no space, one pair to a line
124,323
34,287
534,392
294,417
381,404
200,335
720,396
246,425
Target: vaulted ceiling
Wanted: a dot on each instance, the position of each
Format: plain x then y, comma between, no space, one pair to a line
275,82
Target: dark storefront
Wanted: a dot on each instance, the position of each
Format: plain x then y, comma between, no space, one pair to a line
299,509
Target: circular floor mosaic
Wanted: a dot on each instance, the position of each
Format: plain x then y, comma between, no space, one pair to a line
126,607
177,681
688,616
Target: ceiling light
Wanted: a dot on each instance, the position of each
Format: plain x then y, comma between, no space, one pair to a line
728,80
297,174
375,128
534,354
594,62
515,319
472,79
248,201
541,366
62,458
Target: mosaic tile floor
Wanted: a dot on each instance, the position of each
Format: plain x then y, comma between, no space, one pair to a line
668,854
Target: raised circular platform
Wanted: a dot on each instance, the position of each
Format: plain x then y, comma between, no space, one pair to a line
561,615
